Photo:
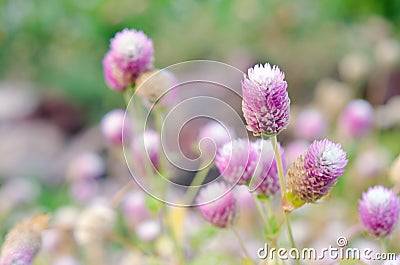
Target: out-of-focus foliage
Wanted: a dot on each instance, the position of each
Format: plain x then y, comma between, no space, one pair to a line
60,44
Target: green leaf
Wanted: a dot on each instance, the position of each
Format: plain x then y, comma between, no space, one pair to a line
290,202
262,197
152,204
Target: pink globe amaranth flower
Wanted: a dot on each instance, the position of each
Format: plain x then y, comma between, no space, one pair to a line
266,179
134,208
237,161
314,173
357,119
157,86
114,126
116,77
310,125
266,103
217,204
146,149
294,149
133,50
86,166
212,136
379,211
23,242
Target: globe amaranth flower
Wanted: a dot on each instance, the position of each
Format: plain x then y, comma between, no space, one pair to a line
157,86
217,204
146,150
131,53
357,119
115,127
266,179
310,124
23,242
266,103
379,211
314,173
237,161
212,136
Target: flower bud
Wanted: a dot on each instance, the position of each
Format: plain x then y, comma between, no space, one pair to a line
86,166
148,231
130,54
356,120
157,86
237,161
146,149
310,125
23,242
314,173
115,126
94,224
217,204
212,136
266,104
266,179
379,211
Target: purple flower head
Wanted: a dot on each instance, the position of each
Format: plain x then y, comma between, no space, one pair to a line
266,179
314,173
146,149
24,241
116,77
133,51
86,166
134,207
356,120
218,204
212,136
237,161
310,125
379,210
114,126
266,103
157,86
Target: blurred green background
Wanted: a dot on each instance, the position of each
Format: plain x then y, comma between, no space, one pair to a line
58,45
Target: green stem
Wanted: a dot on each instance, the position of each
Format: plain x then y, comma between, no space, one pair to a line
241,243
384,247
196,183
278,159
289,228
261,212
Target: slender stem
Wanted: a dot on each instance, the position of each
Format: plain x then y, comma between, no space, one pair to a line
278,159
196,183
289,228
119,196
261,212
384,248
241,243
